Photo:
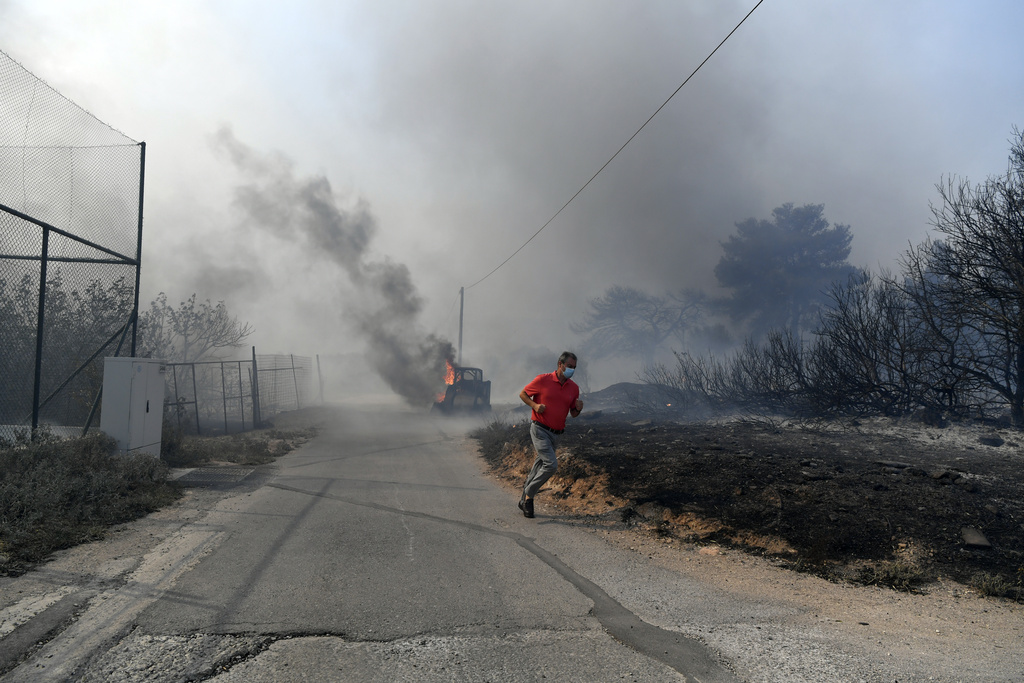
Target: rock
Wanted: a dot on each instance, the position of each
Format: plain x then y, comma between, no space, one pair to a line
974,538
651,511
941,474
640,423
893,463
993,440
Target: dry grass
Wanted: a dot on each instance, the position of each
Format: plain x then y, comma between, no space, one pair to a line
997,586
897,574
256,447
249,448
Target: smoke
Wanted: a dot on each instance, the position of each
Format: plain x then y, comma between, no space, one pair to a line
386,306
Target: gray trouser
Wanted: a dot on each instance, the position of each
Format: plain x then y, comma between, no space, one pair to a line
544,442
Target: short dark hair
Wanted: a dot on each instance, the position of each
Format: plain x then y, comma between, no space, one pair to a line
566,355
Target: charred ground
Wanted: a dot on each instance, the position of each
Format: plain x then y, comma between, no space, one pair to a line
871,501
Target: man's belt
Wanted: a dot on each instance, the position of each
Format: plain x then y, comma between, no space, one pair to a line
546,428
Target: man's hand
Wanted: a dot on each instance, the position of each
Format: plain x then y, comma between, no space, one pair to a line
576,408
540,408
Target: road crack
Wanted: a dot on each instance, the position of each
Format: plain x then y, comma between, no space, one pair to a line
689,656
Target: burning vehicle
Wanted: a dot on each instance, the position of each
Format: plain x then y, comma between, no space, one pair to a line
465,390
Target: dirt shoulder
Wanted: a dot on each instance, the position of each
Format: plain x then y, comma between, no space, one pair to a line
873,502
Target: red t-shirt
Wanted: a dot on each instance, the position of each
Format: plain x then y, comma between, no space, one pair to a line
558,398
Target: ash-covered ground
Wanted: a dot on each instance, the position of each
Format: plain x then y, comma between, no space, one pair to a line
895,503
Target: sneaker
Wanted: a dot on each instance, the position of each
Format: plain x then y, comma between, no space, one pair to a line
526,505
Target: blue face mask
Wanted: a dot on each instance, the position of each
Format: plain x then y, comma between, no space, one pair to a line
568,372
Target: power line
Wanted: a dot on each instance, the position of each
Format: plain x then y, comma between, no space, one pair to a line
620,148
451,308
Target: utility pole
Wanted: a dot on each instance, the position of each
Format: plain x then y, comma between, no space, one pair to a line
462,305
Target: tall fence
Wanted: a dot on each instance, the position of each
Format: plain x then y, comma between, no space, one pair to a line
71,195
221,397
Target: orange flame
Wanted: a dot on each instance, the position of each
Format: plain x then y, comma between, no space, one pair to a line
449,378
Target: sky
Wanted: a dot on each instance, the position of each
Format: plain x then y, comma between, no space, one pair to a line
450,131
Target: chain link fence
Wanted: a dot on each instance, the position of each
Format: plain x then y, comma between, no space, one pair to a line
285,382
220,397
71,190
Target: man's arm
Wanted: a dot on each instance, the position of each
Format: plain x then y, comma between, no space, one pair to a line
537,407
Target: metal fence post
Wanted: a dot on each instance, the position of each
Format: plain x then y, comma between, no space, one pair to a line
40,319
224,396
241,395
195,398
320,377
138,253
257,417
177,405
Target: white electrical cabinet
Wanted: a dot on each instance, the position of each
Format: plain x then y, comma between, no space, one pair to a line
133,403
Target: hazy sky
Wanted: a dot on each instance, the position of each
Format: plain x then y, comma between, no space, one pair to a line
461,127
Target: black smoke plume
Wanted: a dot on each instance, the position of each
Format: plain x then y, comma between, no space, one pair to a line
386,308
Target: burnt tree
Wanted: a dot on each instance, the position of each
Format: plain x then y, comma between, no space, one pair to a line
968,286
872,355
630,322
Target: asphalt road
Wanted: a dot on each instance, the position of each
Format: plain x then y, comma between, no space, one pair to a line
380,551
377,552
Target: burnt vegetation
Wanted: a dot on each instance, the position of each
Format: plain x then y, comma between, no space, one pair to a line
796,443
845,500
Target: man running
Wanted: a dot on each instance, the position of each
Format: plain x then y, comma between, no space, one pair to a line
551,396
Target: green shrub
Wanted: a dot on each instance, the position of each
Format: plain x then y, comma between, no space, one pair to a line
57,493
